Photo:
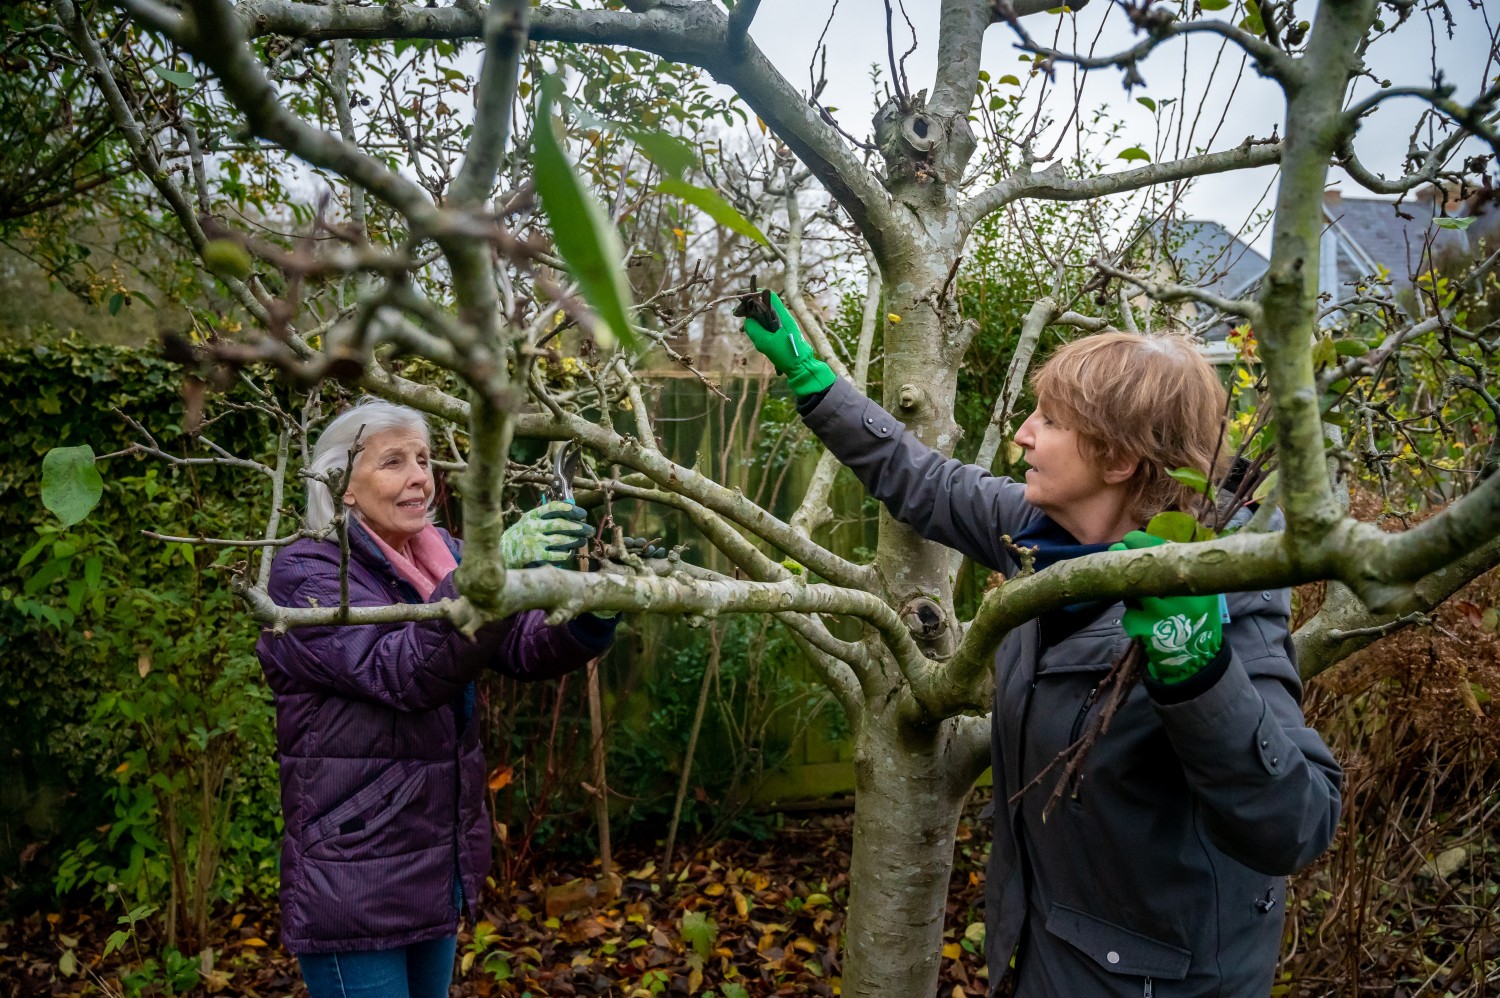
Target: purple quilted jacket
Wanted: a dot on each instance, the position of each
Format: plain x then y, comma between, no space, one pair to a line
382,772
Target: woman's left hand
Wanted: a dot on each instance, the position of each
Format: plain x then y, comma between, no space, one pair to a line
1181,634
548,534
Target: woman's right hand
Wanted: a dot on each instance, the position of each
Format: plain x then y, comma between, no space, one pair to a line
548,534
787,349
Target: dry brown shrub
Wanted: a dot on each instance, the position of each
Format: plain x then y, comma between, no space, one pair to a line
1405,903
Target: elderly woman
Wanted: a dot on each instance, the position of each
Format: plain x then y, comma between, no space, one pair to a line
382,772
1163,872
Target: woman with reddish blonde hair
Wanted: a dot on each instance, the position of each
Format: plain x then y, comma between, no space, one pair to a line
1163,871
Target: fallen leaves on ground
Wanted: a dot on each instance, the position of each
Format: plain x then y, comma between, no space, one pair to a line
738,919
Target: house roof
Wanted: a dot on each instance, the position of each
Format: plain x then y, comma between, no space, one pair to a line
1208,256
1401,237
1395,236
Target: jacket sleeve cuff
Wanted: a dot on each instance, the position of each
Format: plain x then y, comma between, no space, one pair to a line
807,403
1190,688
594,633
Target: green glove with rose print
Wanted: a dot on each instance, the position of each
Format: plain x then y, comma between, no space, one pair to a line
548,534
1181,634
776,335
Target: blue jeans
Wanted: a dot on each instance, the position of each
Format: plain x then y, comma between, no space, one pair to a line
421,970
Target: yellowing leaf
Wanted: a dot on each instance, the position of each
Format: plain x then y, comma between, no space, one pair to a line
502,775
467,962
805,944
714,890
952,951
893,317
237,920
121,768
255,942
741,905
813,900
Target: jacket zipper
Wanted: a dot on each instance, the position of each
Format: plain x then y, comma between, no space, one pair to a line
1083,712
1149,989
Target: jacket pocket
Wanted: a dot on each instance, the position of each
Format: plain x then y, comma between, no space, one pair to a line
372,806
1115,949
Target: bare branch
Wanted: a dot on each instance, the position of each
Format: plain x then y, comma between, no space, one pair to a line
1244,307
504,38
1052,184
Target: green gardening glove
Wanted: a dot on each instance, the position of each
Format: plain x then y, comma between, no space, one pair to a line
776,335
545,535
1181,634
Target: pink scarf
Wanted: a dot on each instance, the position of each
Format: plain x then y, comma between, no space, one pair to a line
424,561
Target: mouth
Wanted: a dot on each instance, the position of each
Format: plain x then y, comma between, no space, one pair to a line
412,504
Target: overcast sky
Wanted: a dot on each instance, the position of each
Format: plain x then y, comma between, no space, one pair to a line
788,30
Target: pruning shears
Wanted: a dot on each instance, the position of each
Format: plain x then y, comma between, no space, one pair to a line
565,461
756,304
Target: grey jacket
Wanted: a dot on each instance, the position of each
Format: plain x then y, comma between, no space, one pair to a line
1164,874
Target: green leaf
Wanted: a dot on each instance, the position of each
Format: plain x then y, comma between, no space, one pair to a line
1193,479
1178,527
71,485
33,551
674,155
93,572
1324,353
1147,103
117,939
1459,224
116,300
179,79
1213,4
1135,153
1253,22
713,205
1351,348
1008,78
699,931
585,238
733,990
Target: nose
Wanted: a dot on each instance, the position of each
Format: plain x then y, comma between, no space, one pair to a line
1025,437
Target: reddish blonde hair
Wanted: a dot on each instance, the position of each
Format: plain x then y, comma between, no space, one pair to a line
1153,399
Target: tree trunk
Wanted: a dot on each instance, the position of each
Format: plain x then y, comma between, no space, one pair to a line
910,786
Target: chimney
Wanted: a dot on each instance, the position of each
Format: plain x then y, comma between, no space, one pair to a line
1332,198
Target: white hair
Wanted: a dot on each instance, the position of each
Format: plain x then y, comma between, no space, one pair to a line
359,422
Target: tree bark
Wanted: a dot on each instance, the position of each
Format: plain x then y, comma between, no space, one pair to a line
910,785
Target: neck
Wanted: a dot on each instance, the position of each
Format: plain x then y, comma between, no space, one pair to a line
1101,519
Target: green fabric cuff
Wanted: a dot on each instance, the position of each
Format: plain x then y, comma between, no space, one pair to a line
811,377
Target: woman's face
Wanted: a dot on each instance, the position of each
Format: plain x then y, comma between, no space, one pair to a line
392,484
1060,477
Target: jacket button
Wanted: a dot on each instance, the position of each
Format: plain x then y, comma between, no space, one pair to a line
1265,743
1275,761
870,419
1112,956
1266,597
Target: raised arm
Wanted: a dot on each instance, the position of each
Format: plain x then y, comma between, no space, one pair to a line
941,498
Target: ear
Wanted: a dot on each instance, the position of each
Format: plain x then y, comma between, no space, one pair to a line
1122,470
